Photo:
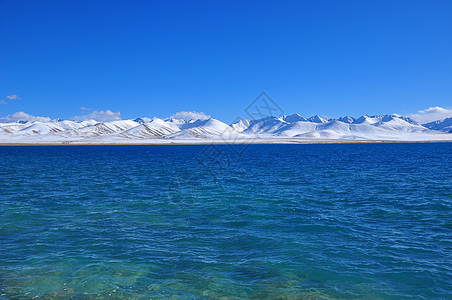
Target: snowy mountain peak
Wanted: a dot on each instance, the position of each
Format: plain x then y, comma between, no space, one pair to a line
194,126
317,119
443,125
142,120
294,118
383,119
241,125
347,119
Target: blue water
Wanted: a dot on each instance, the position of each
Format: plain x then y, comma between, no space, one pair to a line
217,222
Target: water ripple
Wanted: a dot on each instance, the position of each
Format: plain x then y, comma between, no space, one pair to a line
280,221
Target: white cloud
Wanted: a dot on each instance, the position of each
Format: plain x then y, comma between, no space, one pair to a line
3,102
431,114
21,116
190,115
85,108
13,97
100,116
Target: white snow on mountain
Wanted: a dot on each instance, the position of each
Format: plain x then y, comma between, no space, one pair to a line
266,126
443,125
208,128
192,127
143,120
296,128
294,118
347,119
317,119
41,128
155,128
241,125
11,128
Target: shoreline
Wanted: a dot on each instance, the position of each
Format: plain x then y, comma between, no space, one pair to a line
212,142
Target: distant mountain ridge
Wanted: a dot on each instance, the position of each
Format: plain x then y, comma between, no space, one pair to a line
443,125
296,127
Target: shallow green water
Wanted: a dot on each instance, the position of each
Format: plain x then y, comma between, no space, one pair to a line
189,222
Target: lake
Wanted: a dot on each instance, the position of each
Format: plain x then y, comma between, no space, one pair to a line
209,222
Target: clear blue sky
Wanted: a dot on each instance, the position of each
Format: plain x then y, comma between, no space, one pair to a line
154,58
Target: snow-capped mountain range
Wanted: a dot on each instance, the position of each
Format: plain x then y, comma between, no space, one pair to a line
292,128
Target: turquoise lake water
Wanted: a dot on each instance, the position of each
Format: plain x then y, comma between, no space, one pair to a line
347,221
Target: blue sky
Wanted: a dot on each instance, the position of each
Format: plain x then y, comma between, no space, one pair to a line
154,58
